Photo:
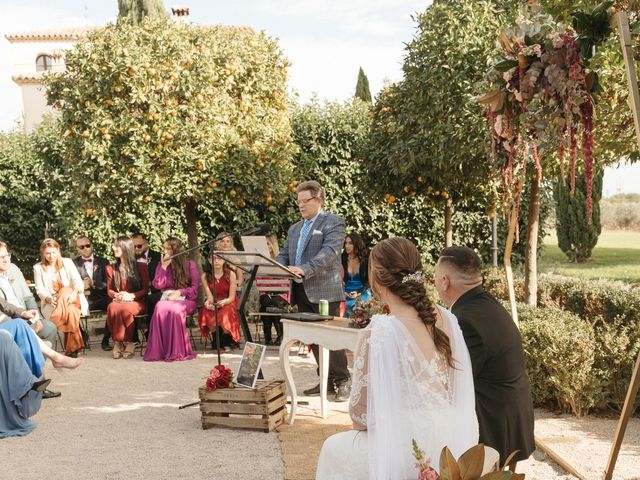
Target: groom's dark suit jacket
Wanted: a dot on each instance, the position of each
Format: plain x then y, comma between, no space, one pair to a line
503,394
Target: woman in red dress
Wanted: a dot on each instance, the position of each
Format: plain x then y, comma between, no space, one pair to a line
222,281
127,285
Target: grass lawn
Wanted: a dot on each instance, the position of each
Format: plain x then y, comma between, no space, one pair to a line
616,257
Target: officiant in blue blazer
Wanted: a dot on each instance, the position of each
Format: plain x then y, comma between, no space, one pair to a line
312,249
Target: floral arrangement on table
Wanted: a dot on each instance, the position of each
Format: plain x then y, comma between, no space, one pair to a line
540,96
219,377
468,467
363,311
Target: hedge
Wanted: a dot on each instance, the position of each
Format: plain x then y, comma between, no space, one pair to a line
610,310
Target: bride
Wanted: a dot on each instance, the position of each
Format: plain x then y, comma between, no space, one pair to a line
412,379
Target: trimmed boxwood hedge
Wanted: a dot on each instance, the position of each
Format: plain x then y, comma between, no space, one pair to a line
554,335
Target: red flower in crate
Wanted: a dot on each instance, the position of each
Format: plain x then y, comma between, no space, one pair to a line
219,377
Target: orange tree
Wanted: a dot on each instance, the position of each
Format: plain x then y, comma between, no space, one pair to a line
428,134
166,116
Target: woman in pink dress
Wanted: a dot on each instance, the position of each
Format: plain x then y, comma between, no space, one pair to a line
177,278
222,281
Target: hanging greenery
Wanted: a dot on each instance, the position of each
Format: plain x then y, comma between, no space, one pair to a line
540,95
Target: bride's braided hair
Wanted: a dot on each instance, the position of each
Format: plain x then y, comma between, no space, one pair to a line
396,259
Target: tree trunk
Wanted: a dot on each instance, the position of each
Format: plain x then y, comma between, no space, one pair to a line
448,223
192,229
531,247
513,221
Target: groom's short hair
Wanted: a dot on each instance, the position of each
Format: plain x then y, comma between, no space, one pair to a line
464,261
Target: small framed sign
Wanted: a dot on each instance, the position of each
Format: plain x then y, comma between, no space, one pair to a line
252,357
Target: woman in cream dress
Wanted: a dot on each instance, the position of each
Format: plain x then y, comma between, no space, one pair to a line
61,292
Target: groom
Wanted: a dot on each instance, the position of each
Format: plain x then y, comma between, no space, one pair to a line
312,250
503,394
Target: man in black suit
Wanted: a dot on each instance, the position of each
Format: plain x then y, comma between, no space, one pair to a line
92,270
152,258
503,394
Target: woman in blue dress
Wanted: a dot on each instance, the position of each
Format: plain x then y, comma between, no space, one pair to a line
355,271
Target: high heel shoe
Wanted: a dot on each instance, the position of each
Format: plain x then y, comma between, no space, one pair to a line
39,386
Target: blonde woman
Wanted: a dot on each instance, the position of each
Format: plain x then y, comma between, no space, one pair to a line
61,293
225,243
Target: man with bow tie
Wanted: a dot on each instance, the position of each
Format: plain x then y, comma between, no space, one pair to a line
152,258
92,269
312,250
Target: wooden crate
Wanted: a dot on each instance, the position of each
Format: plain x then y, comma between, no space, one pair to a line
263,408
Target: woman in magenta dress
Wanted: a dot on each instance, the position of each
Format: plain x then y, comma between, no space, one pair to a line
177,278
127,285
222,281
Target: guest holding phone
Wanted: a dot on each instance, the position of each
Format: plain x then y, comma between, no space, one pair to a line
177,278
127,286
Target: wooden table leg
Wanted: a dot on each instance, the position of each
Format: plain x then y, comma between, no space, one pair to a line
323,363
285,365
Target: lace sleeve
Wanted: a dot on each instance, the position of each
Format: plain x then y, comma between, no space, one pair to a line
358,400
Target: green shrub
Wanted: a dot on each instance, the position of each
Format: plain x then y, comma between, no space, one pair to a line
577,233
560,352
612,311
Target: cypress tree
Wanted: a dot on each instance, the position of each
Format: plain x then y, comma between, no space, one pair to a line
576,236
134,11
362,87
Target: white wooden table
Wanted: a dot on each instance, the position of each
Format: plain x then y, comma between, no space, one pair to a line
329,335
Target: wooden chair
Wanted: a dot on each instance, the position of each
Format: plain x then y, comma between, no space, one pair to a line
270,286
142,326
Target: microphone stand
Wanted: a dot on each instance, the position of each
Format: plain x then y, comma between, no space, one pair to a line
246,231
215,310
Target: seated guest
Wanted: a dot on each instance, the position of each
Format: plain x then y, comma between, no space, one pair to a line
14,289
271,300
92,271
127,285
177,279
502,390
151,258
20,390
412,379
61,292
226,244
33,348
221,281
355,271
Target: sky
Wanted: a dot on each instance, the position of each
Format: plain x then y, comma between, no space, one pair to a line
326,42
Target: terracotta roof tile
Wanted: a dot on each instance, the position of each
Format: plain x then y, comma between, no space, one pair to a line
26,78
60,34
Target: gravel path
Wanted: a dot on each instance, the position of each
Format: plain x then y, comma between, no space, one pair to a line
118,419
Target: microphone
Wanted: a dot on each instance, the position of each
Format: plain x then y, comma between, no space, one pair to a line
260,229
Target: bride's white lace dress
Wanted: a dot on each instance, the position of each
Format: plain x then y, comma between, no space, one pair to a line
399,394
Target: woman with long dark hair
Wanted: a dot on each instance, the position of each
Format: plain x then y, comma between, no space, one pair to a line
61,292
221,280
127,285
177,278
412,379
355,271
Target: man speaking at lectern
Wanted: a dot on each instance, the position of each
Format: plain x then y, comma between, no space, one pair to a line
312,250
